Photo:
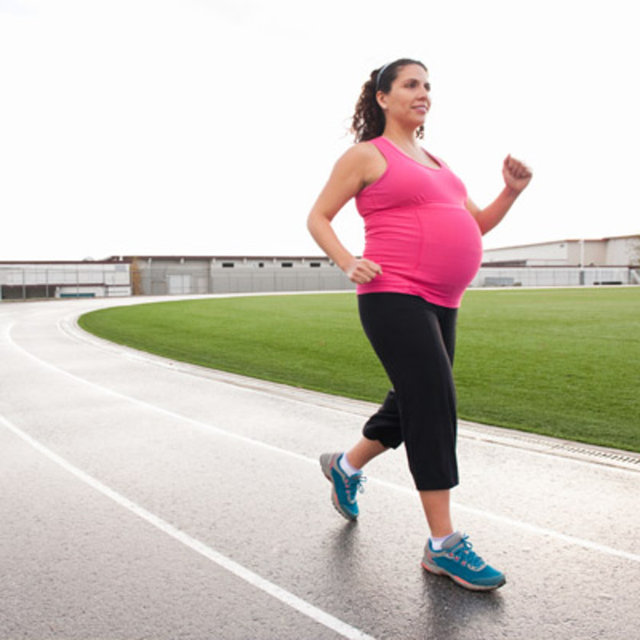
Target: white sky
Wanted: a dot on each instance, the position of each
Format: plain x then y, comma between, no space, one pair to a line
209,126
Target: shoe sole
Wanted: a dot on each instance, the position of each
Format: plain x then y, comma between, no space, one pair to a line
326,472
437,571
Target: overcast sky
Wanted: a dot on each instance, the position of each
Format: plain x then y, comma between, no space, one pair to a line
197,127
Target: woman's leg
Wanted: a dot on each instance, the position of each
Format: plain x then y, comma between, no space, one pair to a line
384,425
437,509
406,335
415,342
437,504
364,451
405,332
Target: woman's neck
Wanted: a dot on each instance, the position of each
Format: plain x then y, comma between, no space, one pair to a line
401,137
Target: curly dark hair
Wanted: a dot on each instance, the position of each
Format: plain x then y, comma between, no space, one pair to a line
368,119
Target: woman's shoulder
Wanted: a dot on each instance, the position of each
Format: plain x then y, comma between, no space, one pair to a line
360,154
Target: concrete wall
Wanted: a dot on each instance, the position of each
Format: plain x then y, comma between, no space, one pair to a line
168,275
624,251
549,253
589,253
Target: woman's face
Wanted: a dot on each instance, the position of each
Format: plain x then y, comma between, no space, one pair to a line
408,100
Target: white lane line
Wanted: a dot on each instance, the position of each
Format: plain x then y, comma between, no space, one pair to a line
519,440
288,598
207,427
531,528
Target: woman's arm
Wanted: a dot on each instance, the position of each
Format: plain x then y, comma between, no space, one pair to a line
349,175
516,178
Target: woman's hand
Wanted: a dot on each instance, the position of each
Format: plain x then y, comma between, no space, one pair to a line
516,174
516,177
362,270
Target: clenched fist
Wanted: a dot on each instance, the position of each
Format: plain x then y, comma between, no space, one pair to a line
516,174
362,270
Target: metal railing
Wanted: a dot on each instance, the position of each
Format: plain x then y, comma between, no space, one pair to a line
24,282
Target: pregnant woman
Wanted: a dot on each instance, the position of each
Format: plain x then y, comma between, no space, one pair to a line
422,249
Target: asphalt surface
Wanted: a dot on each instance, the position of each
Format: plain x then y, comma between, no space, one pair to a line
143,498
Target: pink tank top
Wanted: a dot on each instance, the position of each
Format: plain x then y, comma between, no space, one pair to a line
418,229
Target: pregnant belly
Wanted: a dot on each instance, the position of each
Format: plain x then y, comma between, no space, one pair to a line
451,248
437,247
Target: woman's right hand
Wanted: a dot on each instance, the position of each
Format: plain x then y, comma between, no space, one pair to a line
362,270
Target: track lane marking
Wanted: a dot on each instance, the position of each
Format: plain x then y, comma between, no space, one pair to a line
68,325
207,427
252,578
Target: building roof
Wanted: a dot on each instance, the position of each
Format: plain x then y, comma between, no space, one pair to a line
43,262
565,241
212,257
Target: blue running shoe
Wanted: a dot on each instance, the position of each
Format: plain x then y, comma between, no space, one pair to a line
345,488
458,561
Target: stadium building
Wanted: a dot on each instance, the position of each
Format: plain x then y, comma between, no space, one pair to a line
621,251
613,260
85,279
562,263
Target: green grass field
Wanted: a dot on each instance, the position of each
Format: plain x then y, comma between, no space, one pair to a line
561,362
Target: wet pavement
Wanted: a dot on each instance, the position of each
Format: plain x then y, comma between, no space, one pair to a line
143,498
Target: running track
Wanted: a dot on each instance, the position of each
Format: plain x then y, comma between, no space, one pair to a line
143,498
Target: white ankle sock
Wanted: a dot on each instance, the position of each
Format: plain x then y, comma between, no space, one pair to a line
436,543
345,465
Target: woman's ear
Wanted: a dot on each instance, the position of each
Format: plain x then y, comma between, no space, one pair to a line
381,99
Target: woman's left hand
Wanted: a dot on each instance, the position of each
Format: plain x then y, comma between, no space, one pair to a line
516,174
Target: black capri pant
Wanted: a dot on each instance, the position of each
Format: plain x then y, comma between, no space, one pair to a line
415,341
